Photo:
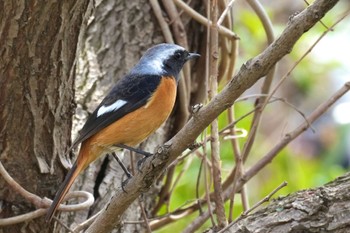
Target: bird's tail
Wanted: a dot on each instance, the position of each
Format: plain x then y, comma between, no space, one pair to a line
65,186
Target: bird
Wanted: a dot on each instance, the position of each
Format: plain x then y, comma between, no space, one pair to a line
134,108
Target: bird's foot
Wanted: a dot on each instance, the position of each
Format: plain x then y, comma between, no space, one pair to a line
125,182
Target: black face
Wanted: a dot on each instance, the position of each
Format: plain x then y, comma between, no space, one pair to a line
175,62
163,59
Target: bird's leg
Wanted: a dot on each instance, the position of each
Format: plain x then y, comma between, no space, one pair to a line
138,151
126,171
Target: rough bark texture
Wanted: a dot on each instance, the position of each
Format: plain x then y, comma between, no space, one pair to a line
324,209
37,53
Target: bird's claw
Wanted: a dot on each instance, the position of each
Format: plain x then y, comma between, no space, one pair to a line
125,182
140,162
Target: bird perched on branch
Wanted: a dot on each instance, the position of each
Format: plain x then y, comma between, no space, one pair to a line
135,107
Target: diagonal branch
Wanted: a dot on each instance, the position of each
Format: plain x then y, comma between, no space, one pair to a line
248,74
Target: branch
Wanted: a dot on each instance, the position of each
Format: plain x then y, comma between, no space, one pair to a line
248,74
204,21
214,128
266,22
310,210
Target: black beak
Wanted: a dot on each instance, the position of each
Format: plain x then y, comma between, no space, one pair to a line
192,56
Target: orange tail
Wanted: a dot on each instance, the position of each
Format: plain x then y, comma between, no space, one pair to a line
61,193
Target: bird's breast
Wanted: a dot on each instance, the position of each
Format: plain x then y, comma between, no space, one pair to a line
134,127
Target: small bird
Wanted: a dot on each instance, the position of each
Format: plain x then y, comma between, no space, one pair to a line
135,107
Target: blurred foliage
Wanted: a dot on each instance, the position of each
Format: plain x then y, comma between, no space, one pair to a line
312,160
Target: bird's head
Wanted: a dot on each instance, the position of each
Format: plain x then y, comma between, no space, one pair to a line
164,59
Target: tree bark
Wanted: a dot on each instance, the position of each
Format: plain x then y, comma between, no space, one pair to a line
37,54
323,209
37,78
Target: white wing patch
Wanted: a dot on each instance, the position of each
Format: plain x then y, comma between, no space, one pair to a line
111,108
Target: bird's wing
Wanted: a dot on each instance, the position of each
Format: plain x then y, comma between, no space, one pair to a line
129,94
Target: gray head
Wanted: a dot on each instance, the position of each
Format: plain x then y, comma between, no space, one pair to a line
164,59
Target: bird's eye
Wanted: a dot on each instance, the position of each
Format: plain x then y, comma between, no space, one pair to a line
178,55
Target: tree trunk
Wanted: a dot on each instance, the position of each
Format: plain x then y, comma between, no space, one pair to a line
37,54
38,61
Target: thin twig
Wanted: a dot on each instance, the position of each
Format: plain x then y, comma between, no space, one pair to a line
267,24
227,48
86,223
238,160
267,198
162,23
179,176
164,192
233,137
22,218
224,13
64,225
197,223
207,182
198,183
202,20
323,24
207,73
214,143
144,216
272,99
163,220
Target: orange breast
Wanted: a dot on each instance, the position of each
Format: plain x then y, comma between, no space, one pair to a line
136,126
